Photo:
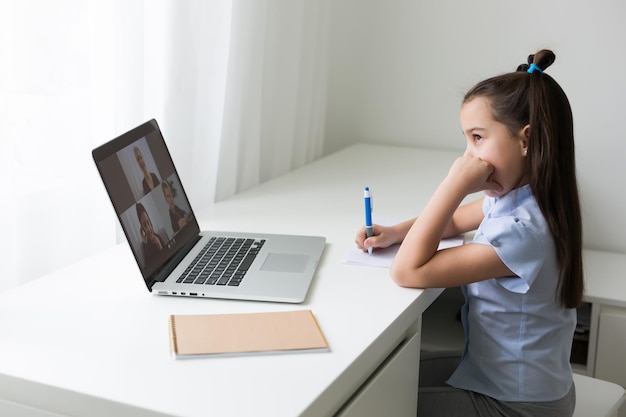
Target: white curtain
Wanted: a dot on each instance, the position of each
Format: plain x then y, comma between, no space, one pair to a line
276,91
238,88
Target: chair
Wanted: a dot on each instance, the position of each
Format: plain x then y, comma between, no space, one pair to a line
597,398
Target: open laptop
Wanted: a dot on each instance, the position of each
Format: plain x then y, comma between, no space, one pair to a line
162,231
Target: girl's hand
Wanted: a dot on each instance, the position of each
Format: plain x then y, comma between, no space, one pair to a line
156,241
473,174
383,237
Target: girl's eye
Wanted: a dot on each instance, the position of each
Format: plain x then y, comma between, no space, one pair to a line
477,138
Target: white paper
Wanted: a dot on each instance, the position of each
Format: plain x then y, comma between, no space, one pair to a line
382,258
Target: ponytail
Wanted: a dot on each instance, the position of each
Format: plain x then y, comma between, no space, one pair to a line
552,165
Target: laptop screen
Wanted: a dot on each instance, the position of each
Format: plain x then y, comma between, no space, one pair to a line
148,197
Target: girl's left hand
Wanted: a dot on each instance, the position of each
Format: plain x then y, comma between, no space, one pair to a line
473,174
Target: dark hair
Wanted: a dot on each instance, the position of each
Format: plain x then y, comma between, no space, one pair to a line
140,210
521,98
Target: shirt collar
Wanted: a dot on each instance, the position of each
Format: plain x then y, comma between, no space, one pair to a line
506,204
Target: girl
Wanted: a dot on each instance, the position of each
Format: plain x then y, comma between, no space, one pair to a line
522,274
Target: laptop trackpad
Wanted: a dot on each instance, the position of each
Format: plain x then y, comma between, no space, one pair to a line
285,262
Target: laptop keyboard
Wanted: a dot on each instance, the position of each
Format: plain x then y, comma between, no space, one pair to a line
222,261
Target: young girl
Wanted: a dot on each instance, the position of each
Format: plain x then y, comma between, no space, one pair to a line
522,275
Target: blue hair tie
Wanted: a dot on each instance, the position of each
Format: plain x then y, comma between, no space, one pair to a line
534,67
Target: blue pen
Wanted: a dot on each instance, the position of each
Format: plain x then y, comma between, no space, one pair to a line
369,231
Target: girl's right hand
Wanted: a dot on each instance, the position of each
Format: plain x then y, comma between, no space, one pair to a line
383,237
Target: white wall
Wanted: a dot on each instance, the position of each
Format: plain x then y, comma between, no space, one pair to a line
399,68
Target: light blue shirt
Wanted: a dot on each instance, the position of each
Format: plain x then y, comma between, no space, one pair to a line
518,337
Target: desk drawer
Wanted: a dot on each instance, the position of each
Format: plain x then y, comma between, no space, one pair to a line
610,364
392,388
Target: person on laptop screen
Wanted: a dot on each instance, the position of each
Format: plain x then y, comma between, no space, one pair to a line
151,242
150,180
178,216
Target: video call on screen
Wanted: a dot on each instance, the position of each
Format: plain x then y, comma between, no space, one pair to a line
148,198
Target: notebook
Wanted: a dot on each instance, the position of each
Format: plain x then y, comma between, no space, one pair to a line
206,335
170,249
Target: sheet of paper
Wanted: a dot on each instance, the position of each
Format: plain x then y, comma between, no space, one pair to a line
382,258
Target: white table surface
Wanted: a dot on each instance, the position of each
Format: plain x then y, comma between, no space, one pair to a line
90,339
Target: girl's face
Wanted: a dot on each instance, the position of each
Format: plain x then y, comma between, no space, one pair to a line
493,142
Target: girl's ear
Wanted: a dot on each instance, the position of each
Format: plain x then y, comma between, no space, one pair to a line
525,135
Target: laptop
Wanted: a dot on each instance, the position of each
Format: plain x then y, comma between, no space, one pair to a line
174,256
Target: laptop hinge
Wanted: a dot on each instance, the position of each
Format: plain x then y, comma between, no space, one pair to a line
163,272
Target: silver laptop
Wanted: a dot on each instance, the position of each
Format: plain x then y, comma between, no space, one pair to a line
173,255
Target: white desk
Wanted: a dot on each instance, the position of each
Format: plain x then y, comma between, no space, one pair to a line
90,340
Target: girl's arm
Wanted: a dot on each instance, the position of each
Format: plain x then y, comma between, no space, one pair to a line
419,264
465,218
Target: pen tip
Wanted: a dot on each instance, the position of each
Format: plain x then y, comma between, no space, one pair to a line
369,250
